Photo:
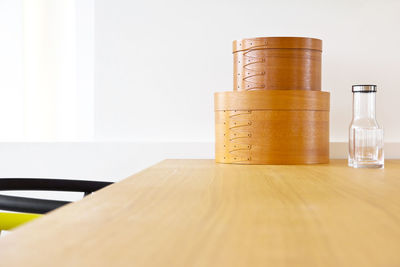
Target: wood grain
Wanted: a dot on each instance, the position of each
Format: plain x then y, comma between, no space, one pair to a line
199,213
277,63
272,127
272,137
272,100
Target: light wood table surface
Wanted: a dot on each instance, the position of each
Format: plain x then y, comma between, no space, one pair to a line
199,213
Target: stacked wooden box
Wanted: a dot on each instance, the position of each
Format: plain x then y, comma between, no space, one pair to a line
276,113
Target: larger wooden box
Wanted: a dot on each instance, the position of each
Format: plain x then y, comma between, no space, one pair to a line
272,127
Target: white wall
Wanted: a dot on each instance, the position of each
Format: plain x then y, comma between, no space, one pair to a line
158,63
46,70
11,69
103,161
91,160
49,60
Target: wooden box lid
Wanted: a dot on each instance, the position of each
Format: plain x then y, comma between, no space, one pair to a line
277,42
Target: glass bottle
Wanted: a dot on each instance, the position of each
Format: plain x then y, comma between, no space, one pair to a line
365,134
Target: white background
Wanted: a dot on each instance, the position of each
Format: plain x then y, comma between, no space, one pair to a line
148,71
158,63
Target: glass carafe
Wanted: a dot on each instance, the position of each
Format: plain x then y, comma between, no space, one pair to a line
365,134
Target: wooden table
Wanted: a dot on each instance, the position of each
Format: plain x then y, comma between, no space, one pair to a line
198,213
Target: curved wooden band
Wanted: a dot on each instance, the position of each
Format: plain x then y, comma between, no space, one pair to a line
272,100
277,42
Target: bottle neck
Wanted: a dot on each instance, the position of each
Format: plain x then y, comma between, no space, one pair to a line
364,105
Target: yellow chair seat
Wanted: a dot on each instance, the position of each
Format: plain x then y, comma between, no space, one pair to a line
9,221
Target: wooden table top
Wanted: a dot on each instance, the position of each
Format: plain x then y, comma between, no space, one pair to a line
199,213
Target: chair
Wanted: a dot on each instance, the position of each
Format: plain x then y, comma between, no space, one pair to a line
41,206
33,206
9,221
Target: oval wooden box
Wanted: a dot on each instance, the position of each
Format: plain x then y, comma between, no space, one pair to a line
277,63
272,127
